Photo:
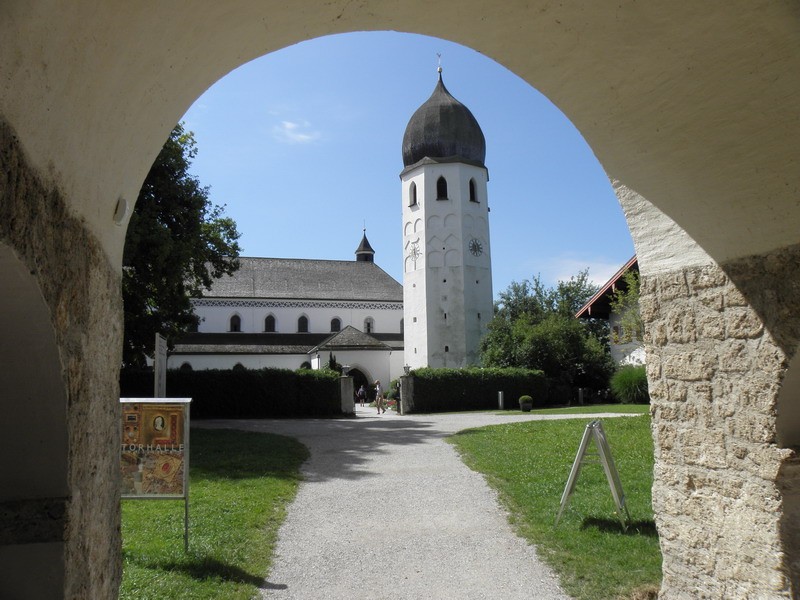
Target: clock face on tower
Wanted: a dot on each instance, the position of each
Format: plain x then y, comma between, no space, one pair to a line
475,247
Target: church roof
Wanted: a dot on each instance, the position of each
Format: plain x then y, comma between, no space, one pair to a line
295,278
351,338
443,128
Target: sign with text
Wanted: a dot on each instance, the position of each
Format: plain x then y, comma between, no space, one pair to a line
155,447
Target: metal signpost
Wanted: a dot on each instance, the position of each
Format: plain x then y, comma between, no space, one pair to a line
154,459
594,431
160,367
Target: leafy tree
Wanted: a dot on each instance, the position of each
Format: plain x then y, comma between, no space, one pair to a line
535,327
625,302
177,243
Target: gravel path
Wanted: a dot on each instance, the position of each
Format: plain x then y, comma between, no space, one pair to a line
388,511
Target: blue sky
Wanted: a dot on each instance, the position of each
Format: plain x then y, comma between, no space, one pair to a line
303,146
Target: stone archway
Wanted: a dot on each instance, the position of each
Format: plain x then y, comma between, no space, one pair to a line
687,104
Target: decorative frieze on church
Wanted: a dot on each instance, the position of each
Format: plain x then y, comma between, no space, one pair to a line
246,303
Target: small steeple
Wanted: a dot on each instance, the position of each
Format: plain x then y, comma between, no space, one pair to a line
364,252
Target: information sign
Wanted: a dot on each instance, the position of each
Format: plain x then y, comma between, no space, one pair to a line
594,431
154,458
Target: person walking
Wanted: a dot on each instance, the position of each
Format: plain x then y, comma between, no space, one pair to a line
379,397
361,395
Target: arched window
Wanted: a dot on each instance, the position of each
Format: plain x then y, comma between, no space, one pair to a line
369,325
186,367
412,194
473,193
269,324
305,365
441,188
302,324
239,367
336,325
236,323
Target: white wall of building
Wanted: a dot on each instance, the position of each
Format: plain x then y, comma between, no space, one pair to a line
201,362
215,315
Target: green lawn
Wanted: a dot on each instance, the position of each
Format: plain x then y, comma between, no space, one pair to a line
624,409
241,484
528,463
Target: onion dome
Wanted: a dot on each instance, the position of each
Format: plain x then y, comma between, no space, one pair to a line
443,128
364,252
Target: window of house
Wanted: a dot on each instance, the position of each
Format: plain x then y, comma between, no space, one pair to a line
186,367
236,323
369,325
336,325
441,188
412,194
305,365
269,324
302,324
239,367
473,193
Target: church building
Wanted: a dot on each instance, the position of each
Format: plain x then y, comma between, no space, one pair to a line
293,313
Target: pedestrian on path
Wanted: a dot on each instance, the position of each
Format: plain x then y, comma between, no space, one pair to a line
361,395
379,397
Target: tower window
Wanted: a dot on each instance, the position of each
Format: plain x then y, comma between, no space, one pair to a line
269,324
336,325
402,325
412,194
473,193
369,325
447,348
445,316
236,323
302,324
441,188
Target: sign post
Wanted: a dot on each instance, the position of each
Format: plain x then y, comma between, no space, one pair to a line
160,367
594,431
154,459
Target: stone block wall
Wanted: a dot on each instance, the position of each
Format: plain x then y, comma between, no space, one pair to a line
82,291
723,488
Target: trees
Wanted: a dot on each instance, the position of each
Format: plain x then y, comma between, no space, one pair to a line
625,302
535,327
177,243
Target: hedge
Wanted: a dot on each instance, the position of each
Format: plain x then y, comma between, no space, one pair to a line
450,390
244,394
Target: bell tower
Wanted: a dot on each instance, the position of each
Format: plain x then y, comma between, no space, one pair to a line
447,273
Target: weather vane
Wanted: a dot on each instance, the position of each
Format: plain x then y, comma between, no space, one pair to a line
439,69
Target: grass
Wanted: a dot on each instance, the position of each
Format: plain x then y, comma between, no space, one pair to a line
623,409
528,463
240,486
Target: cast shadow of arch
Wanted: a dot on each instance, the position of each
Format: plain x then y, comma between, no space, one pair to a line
202,568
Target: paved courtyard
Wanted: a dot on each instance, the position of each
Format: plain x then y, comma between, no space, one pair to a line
388,511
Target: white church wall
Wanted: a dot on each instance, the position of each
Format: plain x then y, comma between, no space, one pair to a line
200,362
216,319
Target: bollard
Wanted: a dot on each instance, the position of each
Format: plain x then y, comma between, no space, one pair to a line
500,400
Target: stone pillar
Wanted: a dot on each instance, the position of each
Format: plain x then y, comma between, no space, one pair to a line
82,292
406,394
346,394
715,372
717,339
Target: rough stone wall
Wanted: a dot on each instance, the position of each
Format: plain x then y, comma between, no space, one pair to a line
83,293
717,346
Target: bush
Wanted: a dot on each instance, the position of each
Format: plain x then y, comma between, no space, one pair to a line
446,390
629,385
244,393
525,399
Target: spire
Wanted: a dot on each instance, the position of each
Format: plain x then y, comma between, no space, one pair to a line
364,252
